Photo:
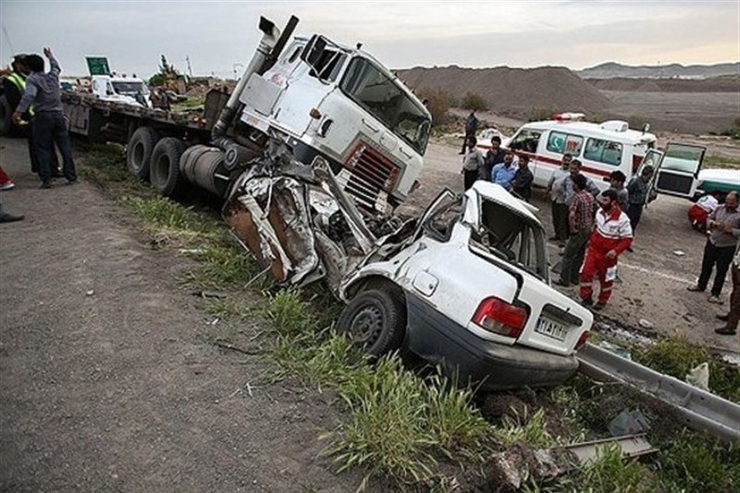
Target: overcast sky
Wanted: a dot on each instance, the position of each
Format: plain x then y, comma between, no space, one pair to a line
218,34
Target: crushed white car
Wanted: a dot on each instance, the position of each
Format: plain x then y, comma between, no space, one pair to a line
464,286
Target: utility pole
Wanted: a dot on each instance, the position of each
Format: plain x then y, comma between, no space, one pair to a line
190,69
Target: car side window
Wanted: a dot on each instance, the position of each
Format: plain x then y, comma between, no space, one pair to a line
526,140
561,143
603,151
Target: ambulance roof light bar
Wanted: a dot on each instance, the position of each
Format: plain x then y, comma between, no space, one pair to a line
568,117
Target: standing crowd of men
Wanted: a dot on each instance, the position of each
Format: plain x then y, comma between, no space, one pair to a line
498,165
593,227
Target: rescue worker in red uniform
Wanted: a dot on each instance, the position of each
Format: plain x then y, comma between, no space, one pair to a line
611,236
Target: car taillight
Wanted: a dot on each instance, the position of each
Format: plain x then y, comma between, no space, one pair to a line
500,317
582,340
636,162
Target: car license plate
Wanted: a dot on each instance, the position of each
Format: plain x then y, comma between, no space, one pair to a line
551,328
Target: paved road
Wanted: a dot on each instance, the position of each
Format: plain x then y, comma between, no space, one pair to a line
654,278
117,391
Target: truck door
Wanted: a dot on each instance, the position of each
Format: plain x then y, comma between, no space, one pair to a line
678,171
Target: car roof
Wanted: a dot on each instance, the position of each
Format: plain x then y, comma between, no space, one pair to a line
497,193
590,129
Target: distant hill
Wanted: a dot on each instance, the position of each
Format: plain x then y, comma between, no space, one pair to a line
611,70
512,91
723,83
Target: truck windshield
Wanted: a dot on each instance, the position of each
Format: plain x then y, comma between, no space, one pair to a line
388,102
130,88
507,234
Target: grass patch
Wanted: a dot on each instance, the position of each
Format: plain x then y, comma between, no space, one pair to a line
712,161
400,422
692,462
676,356
528,428
105,165
170,217
221,267
228,309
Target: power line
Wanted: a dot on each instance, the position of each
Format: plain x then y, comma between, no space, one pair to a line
7,38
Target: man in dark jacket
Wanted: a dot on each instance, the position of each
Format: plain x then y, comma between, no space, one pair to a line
523,178
14,85
49,127
494,156
471,126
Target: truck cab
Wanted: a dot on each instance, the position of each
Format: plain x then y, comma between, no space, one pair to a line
341,103
128,90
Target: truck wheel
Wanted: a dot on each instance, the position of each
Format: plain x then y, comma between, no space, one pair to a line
375,320
5,113
164,168
139,151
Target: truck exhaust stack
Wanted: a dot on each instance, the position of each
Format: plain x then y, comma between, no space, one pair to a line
269,48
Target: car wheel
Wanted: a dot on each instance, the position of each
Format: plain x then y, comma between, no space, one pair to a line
164,168
375,320
139,151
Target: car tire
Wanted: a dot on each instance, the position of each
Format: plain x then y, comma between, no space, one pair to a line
164,167
139,151
375,320
6,122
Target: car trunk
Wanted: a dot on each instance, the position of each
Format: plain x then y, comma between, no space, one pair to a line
511,239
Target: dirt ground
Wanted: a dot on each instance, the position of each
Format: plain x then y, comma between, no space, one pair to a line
685,112
654,279
107,381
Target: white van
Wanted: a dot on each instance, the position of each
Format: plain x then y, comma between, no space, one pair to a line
601,147
128,90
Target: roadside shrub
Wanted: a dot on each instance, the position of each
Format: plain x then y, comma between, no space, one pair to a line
636,122
540,114
438,104
474,102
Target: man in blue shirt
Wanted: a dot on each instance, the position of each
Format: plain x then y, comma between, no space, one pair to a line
503,173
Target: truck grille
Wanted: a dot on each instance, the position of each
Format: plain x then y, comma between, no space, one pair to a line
369,177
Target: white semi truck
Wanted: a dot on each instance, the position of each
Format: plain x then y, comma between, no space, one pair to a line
318,97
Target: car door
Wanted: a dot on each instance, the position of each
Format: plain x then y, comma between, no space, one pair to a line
678,171
652,159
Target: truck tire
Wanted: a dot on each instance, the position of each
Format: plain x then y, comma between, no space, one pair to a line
164,167
6,124
375,320
139,151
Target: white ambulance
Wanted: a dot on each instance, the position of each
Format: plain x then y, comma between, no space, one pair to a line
602,147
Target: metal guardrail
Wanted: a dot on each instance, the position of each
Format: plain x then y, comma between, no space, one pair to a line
696,408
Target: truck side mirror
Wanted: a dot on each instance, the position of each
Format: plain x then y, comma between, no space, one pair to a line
313,50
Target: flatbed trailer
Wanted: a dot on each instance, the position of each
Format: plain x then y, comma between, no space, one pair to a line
101,120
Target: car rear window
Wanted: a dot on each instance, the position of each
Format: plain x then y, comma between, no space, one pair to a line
508,234
561,143
603,151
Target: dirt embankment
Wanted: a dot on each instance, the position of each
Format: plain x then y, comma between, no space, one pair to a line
512,91
714,84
